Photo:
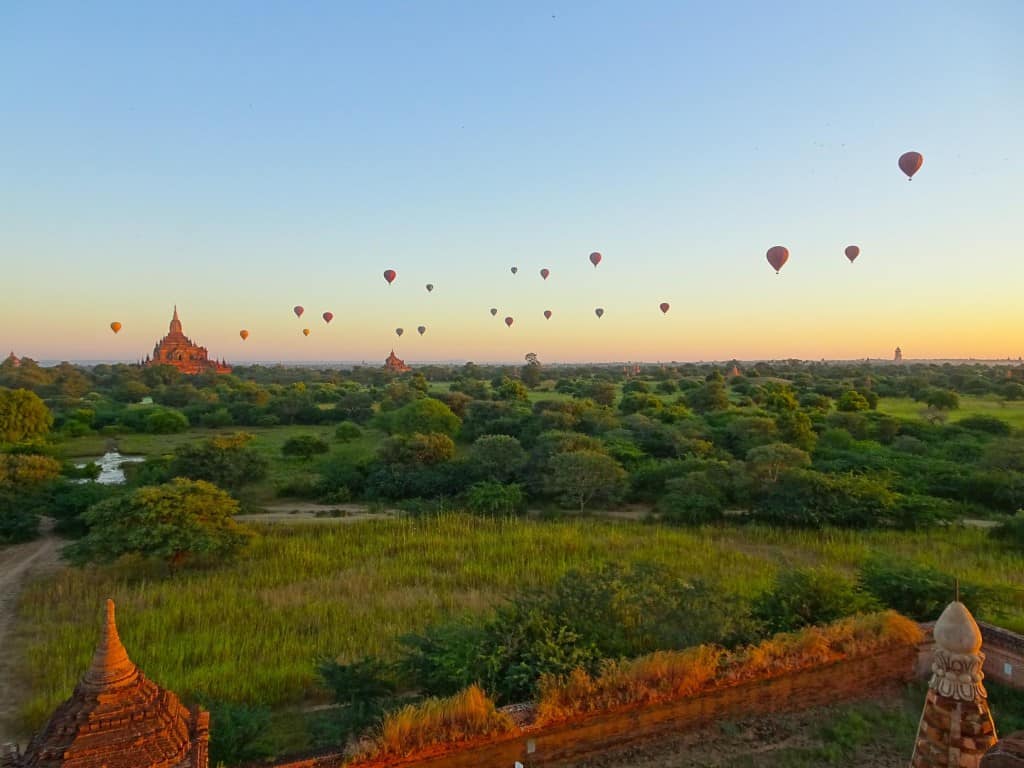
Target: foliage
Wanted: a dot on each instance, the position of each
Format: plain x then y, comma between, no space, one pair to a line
498,457
161,421
694,499
304,447
21,471
347,431
491,498
363,688
766,462
229,461
579,477
802,597
1011,532
169,522
424,415
23,416
807,498
17,523
417,449
238,733
920,591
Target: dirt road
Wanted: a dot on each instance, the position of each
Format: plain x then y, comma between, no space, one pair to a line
18,564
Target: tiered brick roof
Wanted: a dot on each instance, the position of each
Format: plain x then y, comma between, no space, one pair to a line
178,350
117,718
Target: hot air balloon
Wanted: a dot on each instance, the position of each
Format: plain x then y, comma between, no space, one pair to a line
430,287
494,311
390,275
664,307
509,321
298,310
421,330
547,314
244,334
305,331
595,259
777,256
599,312
115,326
852,252
328,316
545,272
399,332
514,270
910,163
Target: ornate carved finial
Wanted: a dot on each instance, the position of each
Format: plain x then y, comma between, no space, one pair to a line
110,664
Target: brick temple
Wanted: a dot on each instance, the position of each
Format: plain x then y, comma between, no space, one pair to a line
395,364
180,351
117,718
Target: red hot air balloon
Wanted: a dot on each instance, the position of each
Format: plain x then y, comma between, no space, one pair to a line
494,311
547,314
545,272
777,256
509,321
852,252
305,331
910,163
115,326
298,310
430,287
399,332
514,270
244,334
422,329
664,307
328,316
595,259
599,312
390,275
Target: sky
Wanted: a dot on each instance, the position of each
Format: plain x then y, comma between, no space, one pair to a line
240,158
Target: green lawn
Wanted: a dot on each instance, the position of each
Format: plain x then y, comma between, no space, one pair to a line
251,631
1009,411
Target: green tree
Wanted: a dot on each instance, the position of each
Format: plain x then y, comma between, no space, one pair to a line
229,461
347,431
579,477
490,498
852,401
169,522
511,390
165,422
710,397
417,449
498,457
803,597
304,447
424,415
531,373
23,416
766,462
941,399
24,470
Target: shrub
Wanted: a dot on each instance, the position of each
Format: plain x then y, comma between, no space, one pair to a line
919,591
803,597
989,424
228,461
812,499
165,422
1011,532
694,499
466,715
363,688
238,733
17,524
490,498
304,447
347,431
417,449
498,457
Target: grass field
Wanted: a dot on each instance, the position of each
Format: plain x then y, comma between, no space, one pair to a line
1009,411
251,631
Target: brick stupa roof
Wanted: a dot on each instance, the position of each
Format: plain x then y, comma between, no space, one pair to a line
117,718
956,726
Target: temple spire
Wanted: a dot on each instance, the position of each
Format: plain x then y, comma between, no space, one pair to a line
175,322
110,663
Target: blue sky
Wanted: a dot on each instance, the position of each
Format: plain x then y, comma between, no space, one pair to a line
289,153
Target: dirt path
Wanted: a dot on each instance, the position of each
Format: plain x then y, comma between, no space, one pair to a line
18,564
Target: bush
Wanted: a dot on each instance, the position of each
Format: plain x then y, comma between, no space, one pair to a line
165,422
363,688
228,461
238,733
695,499
490,498
17,524
1011,533
811,499
919,591
304,447
347,431
991,425
804,597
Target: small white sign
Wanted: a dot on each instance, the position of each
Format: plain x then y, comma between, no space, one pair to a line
1008,669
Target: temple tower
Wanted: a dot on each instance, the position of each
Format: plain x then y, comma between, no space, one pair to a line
956,726
116,718
175,322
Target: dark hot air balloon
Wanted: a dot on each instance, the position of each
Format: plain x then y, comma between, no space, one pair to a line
298,310
777,256
910,163
545,272
599,312
514,270
244,334
421,330
547,314
852,252
115,326
430,287
390,275
399,332
494,311
509,321
664,307
305,331
328,316
595,258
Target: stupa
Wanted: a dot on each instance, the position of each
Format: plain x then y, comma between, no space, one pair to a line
395,364
179,350
117,718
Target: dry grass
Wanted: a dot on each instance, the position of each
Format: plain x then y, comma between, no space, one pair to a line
466,715
670,675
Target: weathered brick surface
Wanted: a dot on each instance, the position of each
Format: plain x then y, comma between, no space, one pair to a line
1007,753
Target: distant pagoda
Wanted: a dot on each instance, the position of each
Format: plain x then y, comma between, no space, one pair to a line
12,360
177,350
898,355
117,718
395,364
